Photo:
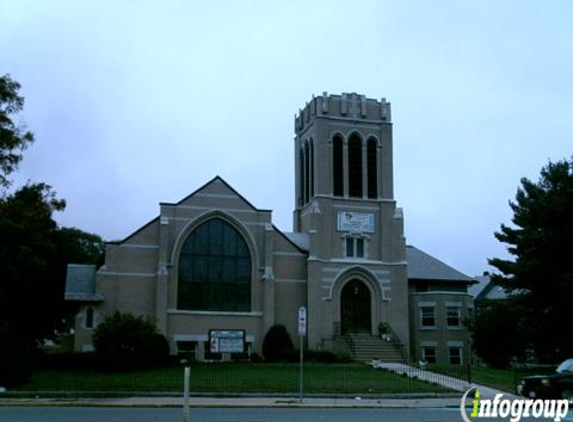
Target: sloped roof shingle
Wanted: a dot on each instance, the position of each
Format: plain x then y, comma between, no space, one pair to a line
422,266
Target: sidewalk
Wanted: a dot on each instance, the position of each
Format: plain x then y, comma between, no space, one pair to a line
396,403
443,380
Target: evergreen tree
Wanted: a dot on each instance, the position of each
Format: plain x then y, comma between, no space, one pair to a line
541,274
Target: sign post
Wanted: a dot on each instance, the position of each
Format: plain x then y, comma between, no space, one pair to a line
301,333
186,412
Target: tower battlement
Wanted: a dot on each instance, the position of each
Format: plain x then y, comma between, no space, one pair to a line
346,106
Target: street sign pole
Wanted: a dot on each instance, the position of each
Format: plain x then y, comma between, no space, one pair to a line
186,411
301,333
301,370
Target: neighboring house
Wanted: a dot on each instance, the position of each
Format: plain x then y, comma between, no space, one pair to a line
213,261
485,288
439,308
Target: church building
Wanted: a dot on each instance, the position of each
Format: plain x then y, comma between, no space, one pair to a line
213,264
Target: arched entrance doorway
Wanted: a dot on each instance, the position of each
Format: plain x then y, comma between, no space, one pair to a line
355,308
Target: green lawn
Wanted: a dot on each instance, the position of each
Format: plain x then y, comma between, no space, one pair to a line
236,378
502,379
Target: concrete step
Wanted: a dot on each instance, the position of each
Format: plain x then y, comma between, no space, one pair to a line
365,347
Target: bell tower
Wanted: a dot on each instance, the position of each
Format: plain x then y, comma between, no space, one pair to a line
343,167
345,208
343,149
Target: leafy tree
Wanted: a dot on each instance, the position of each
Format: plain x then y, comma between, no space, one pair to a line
79,247
277,344
13,136
126,341
28,258
541,272
34,252
29,295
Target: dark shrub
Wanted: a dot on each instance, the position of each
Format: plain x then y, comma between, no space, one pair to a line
343,357
320,356
277,344
123,342
325,356
255,357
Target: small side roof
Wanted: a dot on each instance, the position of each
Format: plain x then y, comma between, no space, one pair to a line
80,283
422,266
478,288
486,289
301,240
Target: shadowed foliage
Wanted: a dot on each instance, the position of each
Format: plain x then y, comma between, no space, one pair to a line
124,341
277,344
540,273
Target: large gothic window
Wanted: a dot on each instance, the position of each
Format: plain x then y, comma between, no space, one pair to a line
372,168
337,167
355,166
215,270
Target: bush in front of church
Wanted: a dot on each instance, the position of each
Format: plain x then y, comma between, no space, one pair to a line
277,345
124,341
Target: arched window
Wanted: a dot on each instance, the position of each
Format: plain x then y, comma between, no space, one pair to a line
89,317
301,179
337,167
355,166
215,269
311,159
306,172
372,149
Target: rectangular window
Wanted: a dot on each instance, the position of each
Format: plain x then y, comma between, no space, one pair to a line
90,317
360,248
453,316
429,354
187,349
427,316
455,355
355,247
349,247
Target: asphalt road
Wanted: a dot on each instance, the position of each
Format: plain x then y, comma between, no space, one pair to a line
103,414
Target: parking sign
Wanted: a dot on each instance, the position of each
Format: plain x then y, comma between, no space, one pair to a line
302,321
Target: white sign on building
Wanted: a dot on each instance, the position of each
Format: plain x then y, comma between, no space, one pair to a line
355,222
227,341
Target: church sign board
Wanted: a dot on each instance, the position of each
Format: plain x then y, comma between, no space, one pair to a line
355,222
227,341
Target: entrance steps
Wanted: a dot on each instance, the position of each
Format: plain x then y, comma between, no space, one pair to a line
365,347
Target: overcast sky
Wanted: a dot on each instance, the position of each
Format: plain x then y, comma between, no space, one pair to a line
139,102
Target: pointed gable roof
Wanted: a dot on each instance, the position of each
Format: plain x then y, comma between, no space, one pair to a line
215,180
422,266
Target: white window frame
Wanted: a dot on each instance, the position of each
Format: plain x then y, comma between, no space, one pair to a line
458,310
424,354
422,308
460,349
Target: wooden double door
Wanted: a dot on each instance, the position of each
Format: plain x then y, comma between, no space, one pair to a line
355,308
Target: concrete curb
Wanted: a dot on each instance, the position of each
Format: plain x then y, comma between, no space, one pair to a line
261,402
